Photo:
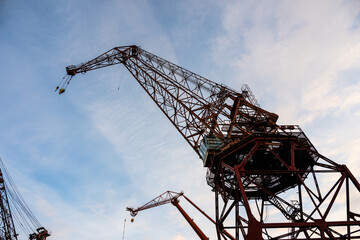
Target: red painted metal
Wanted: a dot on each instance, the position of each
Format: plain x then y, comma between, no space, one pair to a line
196,106
189,220
12,202
173,197
7,224
162,199
307,221
250,159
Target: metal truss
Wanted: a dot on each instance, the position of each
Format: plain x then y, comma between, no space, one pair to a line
254,165
196,106
289,202
7,229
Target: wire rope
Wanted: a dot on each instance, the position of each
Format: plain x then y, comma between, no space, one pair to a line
18,198
21,212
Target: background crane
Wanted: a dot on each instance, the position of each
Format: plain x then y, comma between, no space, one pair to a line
173,198
169,197
254,165
13,205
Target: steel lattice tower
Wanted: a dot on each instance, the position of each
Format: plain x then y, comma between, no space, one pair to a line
7,229
269,180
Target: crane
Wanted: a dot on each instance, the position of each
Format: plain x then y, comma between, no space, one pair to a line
173,198
8,230
254,165
10,196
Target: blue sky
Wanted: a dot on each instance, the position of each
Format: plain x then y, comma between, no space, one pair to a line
81,158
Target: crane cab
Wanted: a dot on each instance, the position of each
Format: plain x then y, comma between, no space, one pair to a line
209,146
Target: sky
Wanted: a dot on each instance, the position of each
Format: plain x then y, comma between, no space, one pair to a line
81,158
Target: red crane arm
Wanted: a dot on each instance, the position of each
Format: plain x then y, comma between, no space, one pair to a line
162,199
169,197
172,197
196,106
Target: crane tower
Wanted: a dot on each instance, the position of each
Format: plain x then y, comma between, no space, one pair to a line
269,180
7,230
10,199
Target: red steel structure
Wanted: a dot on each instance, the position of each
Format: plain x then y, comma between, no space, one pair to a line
12,204
269,180
7,229
173,198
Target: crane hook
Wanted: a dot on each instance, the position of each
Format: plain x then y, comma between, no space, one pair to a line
63,84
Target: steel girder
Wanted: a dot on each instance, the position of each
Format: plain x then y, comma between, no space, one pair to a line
320,202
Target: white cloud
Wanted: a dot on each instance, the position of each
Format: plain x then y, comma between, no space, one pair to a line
178,237
296,56
293,51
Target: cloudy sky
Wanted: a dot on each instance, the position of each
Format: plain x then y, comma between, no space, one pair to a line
81,158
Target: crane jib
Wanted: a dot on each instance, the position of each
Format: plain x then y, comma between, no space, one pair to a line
207,102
